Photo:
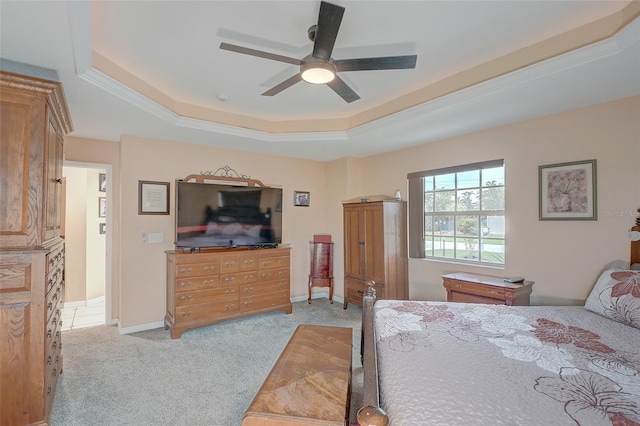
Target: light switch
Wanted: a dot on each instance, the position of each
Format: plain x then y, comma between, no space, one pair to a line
156,237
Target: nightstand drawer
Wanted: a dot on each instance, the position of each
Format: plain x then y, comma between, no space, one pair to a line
473,288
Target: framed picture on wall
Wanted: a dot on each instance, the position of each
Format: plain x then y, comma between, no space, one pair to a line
153,197
102,182
567,191
301,198
102,207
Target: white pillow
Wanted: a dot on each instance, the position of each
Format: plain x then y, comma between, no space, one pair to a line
212,229
616,296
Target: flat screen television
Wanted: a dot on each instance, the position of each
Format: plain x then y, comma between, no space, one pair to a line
219,215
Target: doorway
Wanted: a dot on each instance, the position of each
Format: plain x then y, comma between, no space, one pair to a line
87,237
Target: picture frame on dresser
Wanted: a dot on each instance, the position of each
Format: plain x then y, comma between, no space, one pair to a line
567,191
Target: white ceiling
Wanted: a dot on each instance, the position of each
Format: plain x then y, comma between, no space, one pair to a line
172,46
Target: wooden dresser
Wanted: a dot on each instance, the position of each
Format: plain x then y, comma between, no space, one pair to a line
475,288
375,248
208,287
34,120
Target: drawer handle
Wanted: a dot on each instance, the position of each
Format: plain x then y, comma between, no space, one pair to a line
249,303
493,292
49,306
49,391
266,263
186,314
187,284
186,270
49,360
282,273
230,307
231,291
209,268
458,285
266,275
282,283
49,333
248,277
282,296
248,289
229,279
248,262
189,297
232,263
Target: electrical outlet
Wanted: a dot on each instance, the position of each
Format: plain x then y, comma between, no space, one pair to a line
144,237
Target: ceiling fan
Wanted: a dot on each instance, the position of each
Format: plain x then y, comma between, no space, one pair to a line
319,67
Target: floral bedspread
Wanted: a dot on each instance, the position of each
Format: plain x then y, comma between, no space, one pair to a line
468,364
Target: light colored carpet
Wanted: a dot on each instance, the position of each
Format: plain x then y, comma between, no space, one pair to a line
207,377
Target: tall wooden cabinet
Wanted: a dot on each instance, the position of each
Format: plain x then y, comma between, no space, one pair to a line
375,248
34,119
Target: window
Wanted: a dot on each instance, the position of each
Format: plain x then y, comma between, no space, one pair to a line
458,214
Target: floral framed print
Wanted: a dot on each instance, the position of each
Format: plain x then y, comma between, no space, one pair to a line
301,198
567,191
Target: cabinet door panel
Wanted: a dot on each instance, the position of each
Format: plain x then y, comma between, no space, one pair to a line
374,244
353,244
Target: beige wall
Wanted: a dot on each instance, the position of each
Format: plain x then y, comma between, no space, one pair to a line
143,279
563,257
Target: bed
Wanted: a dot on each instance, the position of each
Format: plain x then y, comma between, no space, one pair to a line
440,363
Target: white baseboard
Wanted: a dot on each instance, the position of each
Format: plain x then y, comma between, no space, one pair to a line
141,327
85,303
317,296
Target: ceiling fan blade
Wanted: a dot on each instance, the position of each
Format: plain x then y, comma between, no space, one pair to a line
329,20
341,88
372,64
259,53
285,84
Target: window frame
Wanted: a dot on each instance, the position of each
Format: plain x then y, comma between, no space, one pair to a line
418,214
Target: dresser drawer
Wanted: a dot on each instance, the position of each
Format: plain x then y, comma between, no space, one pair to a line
274,262
476,289
264,301
239,278
204,311
250,290
274,274
355,290
229,263
197,269
206,296
197,283
249,261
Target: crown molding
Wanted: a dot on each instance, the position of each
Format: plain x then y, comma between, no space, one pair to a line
79,17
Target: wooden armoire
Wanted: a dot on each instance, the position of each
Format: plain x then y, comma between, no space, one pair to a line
375,248
34,119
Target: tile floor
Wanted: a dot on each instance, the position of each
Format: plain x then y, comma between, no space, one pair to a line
83,316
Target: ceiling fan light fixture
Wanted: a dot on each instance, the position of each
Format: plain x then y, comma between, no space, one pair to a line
317,72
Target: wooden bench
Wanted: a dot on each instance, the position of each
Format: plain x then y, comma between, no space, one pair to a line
310,384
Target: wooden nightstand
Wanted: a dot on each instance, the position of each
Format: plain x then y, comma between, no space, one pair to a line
474,288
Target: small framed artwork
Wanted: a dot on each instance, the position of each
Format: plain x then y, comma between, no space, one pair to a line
102,182
301,198
103,228
567,191
102,207
153,197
